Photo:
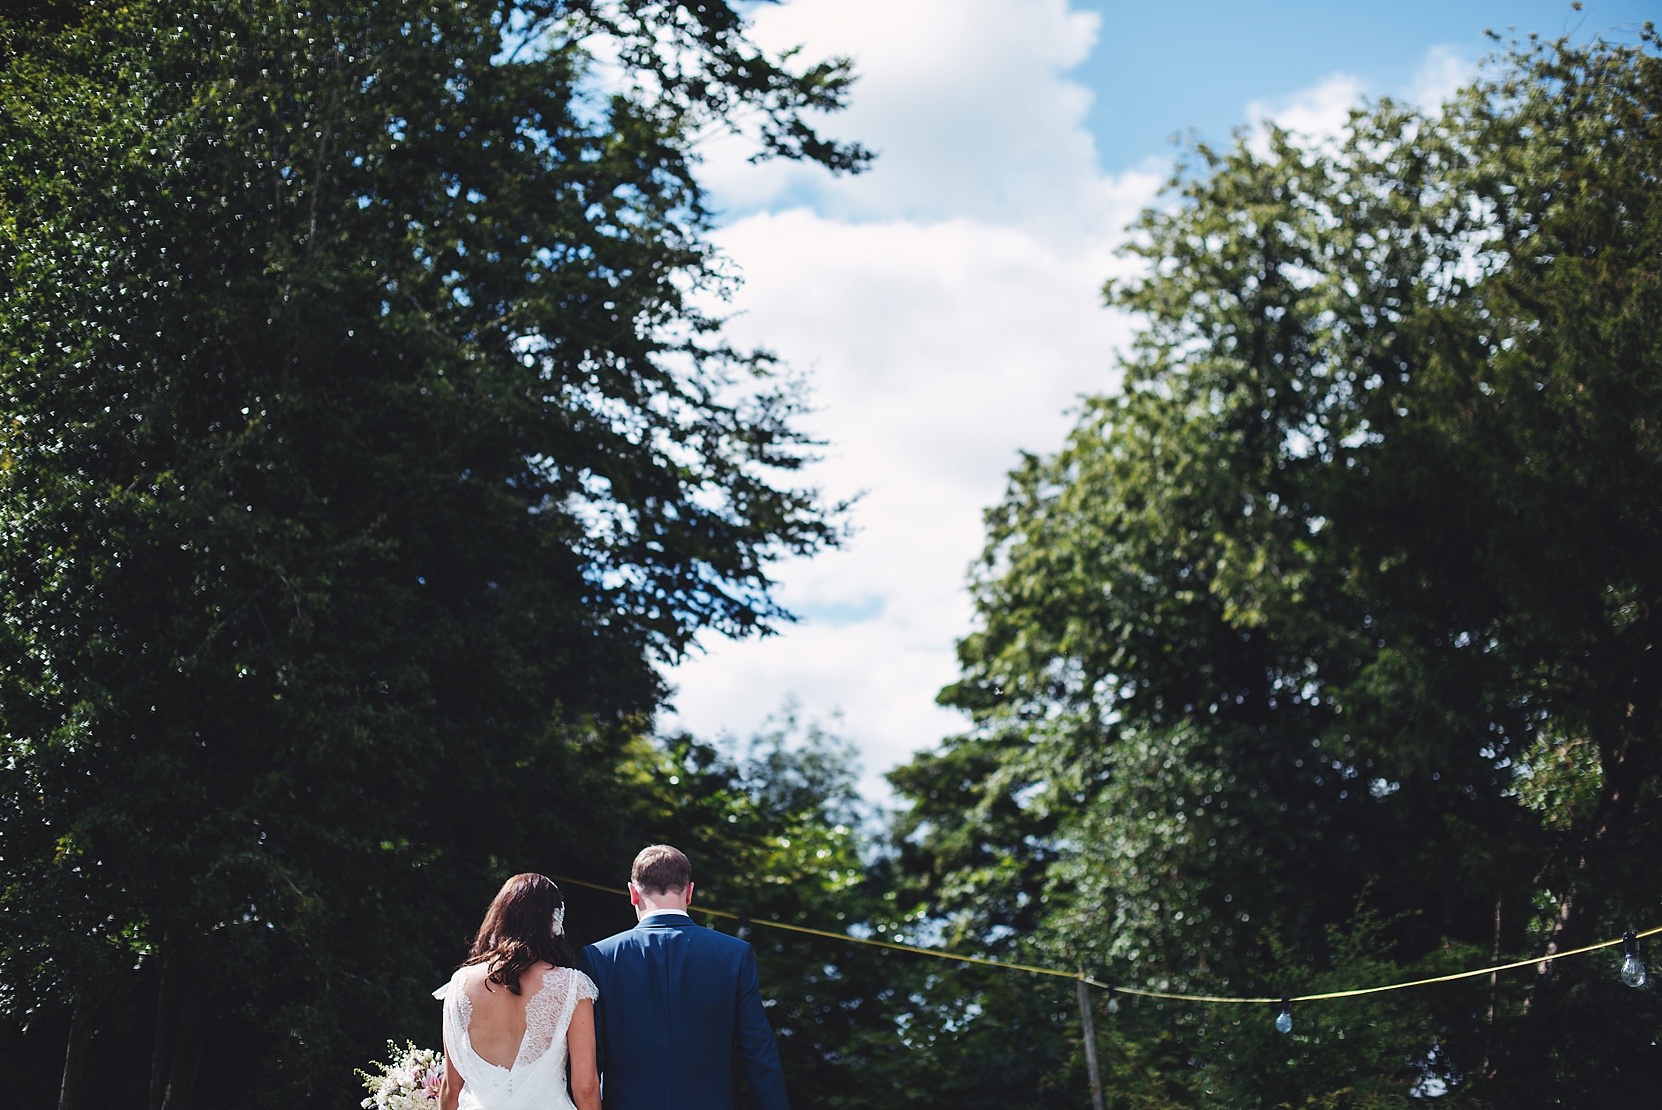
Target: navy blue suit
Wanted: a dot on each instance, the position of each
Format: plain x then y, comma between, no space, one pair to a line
675,998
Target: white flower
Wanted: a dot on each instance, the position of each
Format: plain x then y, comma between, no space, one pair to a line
408,1081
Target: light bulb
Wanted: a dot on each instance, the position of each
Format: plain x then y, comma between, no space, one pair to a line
1633,968
1284,1020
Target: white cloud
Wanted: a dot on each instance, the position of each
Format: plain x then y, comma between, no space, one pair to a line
938,351
1443,72
1314,115
1322,113
947,308
966,102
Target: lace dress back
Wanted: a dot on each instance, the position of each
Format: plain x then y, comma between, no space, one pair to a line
538,1075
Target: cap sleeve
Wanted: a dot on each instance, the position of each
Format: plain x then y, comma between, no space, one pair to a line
445,990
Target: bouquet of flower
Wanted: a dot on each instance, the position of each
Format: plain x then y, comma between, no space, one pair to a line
409,1082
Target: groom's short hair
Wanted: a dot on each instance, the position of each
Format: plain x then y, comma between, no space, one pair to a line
659,869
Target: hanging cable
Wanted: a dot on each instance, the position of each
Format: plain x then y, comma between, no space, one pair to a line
1630,941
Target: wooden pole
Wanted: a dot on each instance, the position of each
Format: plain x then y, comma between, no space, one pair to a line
1089,1024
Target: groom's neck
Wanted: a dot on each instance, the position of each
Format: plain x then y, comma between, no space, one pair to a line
660,901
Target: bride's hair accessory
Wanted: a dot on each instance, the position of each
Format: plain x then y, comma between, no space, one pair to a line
560,920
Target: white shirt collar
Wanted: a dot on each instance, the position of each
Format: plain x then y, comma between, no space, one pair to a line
666,916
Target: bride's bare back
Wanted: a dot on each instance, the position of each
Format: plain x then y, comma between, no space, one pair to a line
511,1050
498,1026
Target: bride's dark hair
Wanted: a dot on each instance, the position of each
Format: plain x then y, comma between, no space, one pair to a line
519,930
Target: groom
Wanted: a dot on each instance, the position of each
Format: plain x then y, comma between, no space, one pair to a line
675,999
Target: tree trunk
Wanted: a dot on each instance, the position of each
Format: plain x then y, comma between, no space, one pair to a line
1584,901
1088,1035
167,1008
181,1025
187,1048
73,1093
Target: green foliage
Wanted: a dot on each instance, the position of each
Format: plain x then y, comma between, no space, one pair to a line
362,453
1323,654
785,854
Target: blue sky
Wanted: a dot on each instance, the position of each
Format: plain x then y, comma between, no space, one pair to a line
945,307
1163,68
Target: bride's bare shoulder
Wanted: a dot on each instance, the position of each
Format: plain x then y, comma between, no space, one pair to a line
536,975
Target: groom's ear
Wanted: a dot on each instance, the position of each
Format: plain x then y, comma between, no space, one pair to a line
689,893
634,894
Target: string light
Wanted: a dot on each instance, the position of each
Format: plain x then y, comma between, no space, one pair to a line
1633,968
1284,1020
1629,940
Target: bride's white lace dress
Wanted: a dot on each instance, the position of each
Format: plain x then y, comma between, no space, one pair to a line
538,1075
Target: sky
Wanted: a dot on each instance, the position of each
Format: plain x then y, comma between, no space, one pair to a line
945,306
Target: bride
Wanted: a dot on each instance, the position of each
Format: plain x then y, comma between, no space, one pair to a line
518,1012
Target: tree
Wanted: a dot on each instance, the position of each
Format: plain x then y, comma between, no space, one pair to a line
1286,659
365,449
